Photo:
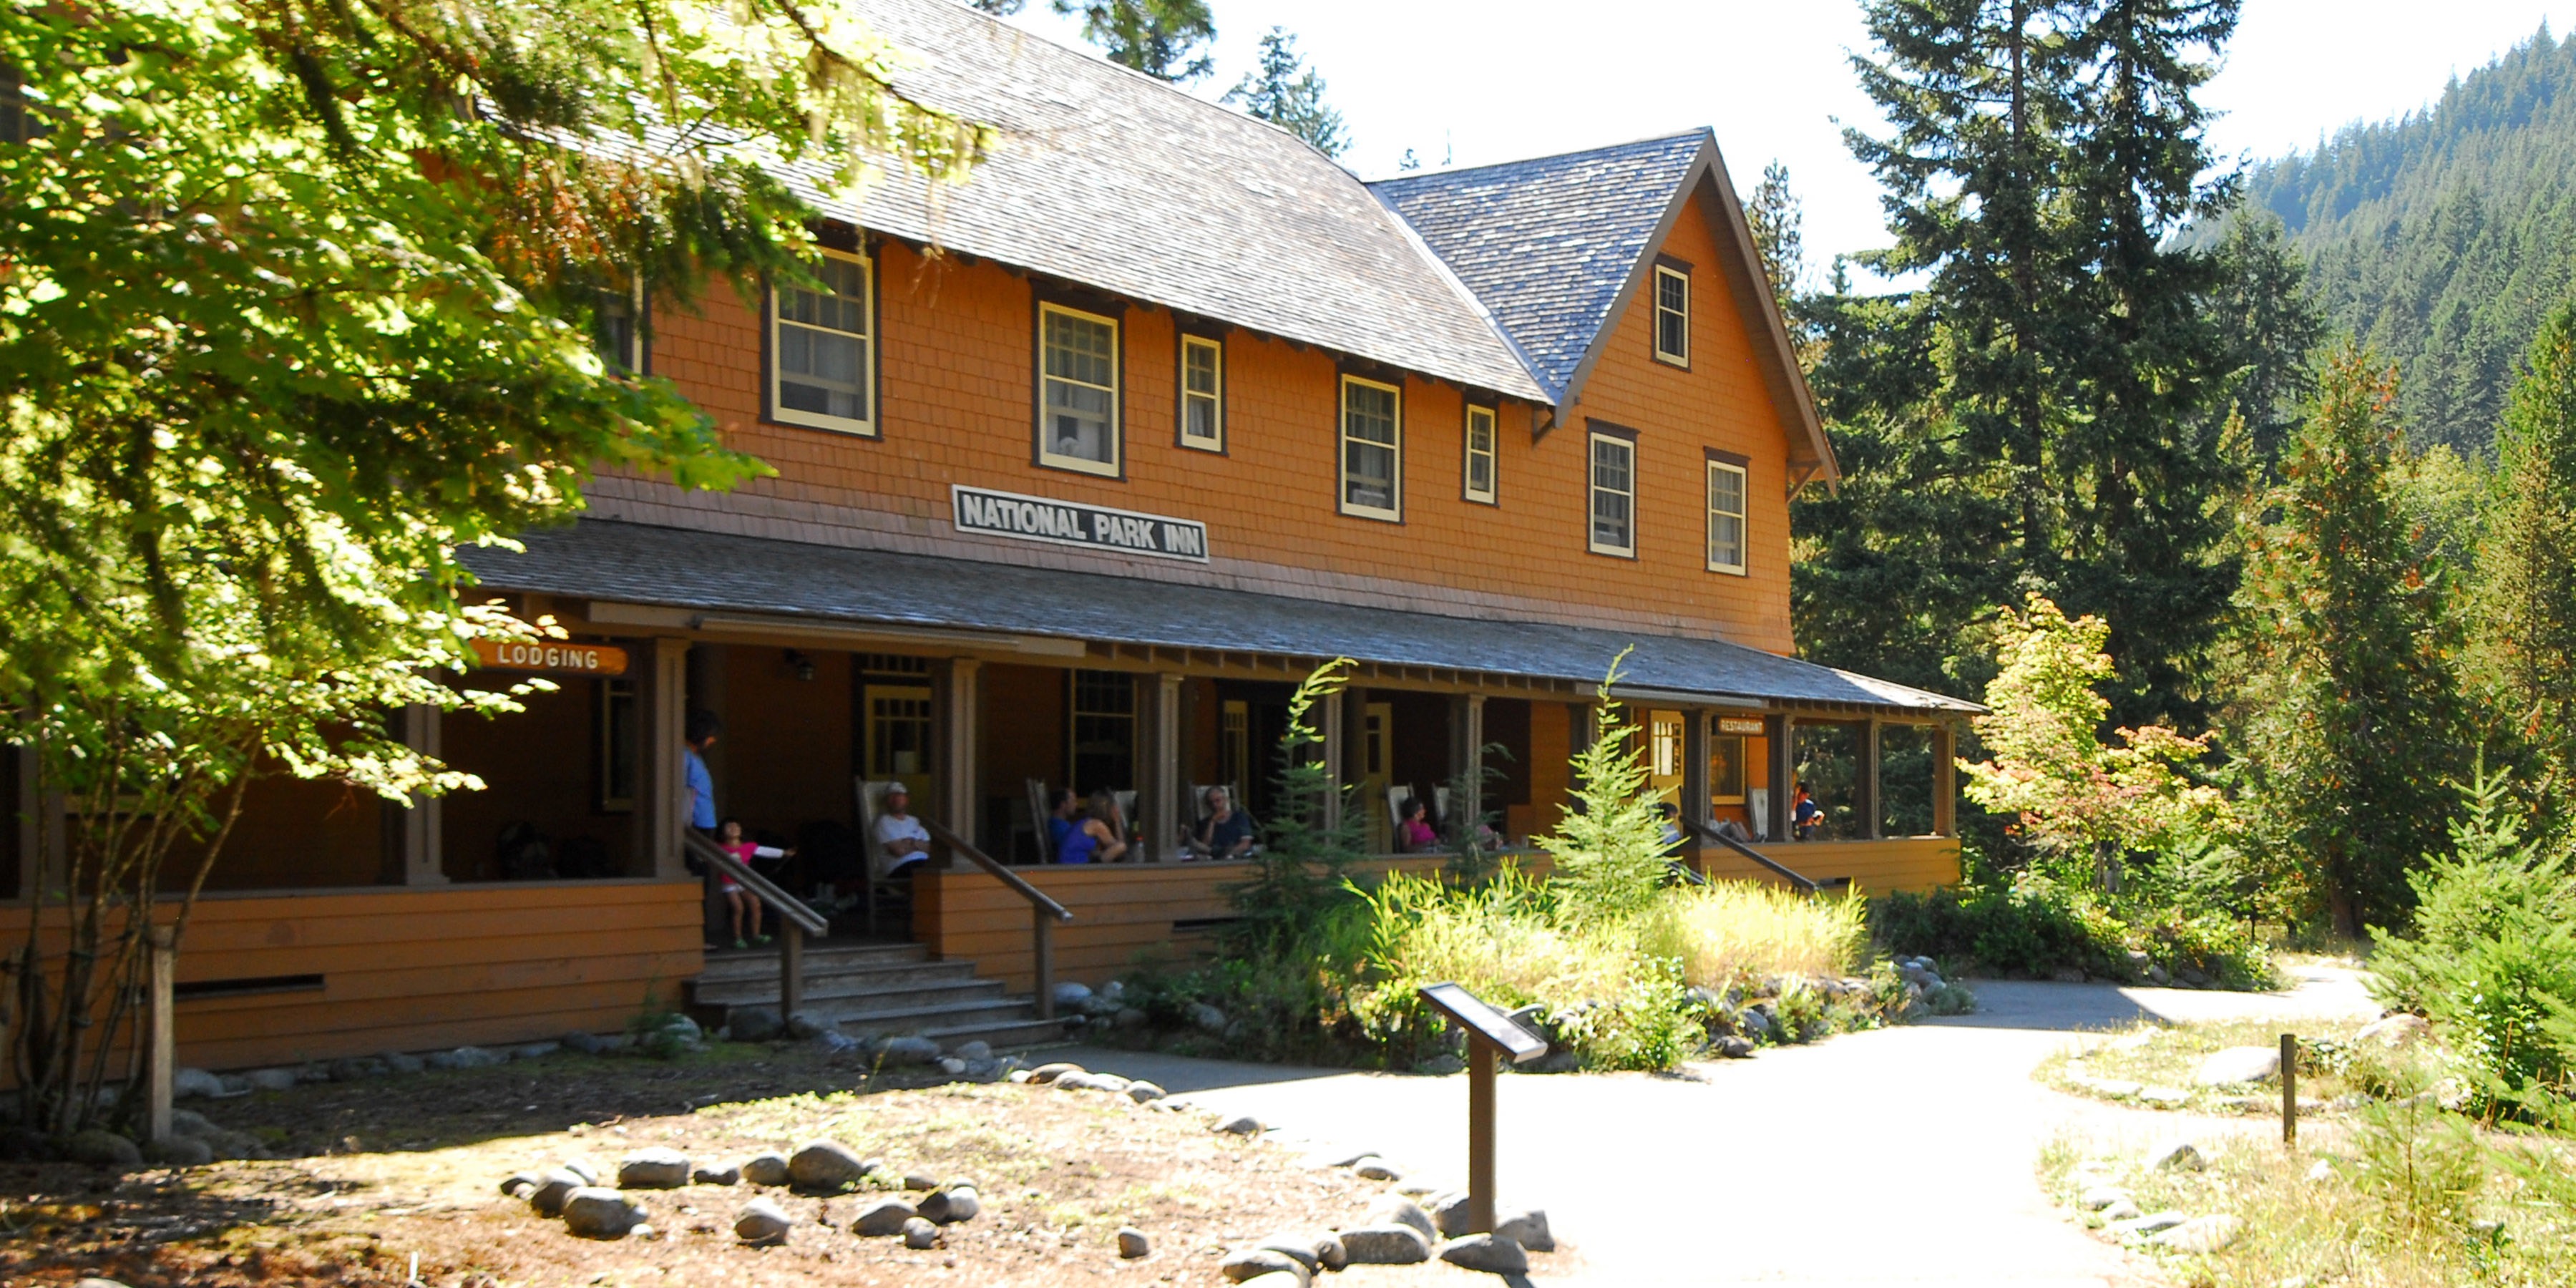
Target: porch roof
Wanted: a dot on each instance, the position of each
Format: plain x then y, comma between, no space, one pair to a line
795,582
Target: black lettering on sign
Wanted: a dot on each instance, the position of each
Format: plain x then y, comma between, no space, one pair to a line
1069,523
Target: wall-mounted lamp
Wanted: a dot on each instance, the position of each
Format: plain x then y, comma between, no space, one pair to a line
801,664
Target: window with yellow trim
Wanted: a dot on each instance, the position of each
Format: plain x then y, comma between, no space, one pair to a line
1480,484
1672,315
1078,394
1202,393
1372,449
1614,495
822,350
1726,517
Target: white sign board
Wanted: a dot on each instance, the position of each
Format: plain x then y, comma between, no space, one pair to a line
1073,523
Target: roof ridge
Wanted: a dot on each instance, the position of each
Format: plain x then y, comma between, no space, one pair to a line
1694,132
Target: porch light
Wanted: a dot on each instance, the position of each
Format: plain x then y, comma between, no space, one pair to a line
801,664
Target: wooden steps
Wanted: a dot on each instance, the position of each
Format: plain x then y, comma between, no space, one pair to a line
878,990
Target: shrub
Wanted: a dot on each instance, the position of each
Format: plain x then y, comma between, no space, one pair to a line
1730,932
2034,926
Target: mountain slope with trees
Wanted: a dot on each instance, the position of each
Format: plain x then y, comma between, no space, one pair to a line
2443,238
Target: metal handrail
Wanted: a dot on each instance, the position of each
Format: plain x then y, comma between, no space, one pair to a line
1044,911
1803,883
790,908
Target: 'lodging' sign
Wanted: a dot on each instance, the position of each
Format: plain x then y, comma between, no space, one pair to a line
556,656
1068,523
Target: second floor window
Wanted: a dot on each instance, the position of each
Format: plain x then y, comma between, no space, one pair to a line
1078,390
822,350
1202,393
1614,495
1480,454
615,332
1372,449
1726,517
1672,315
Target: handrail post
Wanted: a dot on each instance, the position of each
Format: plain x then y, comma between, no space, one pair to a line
1042,945
791,969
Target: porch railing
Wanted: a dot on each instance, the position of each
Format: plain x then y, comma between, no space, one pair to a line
1044,911
794,918
1799,881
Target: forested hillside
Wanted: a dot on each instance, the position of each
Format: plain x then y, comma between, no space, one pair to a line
2443,238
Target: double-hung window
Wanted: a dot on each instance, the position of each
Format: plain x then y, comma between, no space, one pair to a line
1672,314
1614,494
1202,393
1372,449
616,331
822,349
1078,390
1725,516
1480,454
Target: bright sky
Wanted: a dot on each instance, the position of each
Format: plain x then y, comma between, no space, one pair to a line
1495,80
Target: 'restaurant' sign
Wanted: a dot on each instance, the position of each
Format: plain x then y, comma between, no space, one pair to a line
1739,724
1068,523
552,655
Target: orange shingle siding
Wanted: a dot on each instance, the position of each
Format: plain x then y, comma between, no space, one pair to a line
956,352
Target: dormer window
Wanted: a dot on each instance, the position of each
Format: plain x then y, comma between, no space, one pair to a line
1672,312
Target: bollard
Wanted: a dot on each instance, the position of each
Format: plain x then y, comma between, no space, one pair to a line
2289,1089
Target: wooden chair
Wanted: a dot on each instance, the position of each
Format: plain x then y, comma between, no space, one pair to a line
881,888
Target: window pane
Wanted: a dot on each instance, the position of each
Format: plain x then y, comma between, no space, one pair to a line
1080,349
1725,516
1368,446
612,331
824,372
1200,423
1202,368
1078,421
1672,314
1611,490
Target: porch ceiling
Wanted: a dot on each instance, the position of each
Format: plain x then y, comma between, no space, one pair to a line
1122,617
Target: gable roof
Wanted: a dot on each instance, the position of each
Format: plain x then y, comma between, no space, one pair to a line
1548,243
1557,246
1111,179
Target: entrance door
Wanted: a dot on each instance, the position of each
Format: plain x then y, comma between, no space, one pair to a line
1664,754
899,723
1377,747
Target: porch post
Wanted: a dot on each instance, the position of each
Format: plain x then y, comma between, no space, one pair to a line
960,684
1162,786
1694,802
1945,783
1869,779
1467,757
1336,744
661,784
424,844
1784,773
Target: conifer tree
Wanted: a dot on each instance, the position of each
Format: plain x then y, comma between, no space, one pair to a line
1165,39
1777,218
2356,731
2525,608
1286,92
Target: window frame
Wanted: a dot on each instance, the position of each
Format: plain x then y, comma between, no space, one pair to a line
1595,434
777,412
1729,463
1492,492
636,361
1666,267
1039,453
1183,394
1342,451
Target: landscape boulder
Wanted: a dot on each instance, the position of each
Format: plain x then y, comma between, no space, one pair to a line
957,1203
2389,1032
1491,1253
754,1023
587,1170
100,1147
1448,1213
826,1165
1206,1018
1295,1246
717,1174
908,1051
657,1168
358,1069
598,1212
881,1218
1240,1125
1395,1209
2237,1066
1386,1245
1050,1072
195,1084
547,1199
1374,1168
918,1233
179,1151
1132,1243
1253,1263
2202,1234
1143,1092
761,1223
585,1043
519,1185
1070,995
465,1057
1527,1228
272,1079
2176,1156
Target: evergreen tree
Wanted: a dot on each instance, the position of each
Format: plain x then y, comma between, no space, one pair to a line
2356,730
997,8
1776,217
1286,92
1165,39
2525,608
2271,328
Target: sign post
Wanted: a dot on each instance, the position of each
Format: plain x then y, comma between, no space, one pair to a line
1489,1033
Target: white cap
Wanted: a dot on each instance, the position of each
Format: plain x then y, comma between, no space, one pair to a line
897,789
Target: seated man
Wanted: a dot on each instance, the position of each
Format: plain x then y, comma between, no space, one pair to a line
898,841
1226,832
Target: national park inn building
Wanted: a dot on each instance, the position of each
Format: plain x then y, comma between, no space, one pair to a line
1082,465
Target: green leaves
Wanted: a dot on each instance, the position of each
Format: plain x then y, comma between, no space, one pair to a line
1609,849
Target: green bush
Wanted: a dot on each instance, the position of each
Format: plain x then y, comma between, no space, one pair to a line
2035,926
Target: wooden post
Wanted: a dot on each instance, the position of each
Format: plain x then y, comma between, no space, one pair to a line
1876,815
1164,810
1042,945
1480,1135
424,844
1467,758
1945,780
2289,1089
791,967
1694,803
960,707
162,1060
1784,774
661,781
1336,745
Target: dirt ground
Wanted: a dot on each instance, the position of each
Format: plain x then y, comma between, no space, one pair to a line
370,1174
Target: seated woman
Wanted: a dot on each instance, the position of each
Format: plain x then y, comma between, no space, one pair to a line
1414,833
1097,837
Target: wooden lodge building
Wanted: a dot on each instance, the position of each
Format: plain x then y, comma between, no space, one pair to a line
1081,465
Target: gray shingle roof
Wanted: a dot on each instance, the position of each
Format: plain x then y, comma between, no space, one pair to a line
717,572
1547,244
1111,179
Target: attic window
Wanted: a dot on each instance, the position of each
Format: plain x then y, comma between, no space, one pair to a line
1672,314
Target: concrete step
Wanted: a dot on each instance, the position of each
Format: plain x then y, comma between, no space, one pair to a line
1000,1034
835,981
762,963
907,1000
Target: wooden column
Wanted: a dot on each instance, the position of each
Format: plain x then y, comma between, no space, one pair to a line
1945,781
424,844
960,686
1328,720
661,783
1467,758
1161,790
161,1061
1694,802
1784,773
1873,816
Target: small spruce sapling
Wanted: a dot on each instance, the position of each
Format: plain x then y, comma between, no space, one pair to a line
1307,844
1609,849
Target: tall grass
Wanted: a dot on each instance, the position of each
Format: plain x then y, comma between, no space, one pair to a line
1732,932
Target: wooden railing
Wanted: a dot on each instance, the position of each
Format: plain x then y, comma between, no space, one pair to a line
1044,911
794,918
1800,881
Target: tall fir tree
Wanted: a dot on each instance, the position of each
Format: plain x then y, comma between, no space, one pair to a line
2271,326
1165,39
2524,612
2356,732
1286,92
1778,221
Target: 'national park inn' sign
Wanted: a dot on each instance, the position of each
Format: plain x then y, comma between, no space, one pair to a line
1070,523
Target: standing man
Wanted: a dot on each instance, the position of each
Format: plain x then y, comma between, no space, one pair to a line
697,735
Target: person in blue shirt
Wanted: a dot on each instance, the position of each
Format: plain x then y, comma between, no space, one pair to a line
698,735
1805,815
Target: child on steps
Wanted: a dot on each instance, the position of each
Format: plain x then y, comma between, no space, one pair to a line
729,838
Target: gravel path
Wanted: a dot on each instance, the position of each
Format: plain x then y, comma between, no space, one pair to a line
1900,1157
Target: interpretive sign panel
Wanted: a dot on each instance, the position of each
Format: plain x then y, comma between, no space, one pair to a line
1072,523
1479,1017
